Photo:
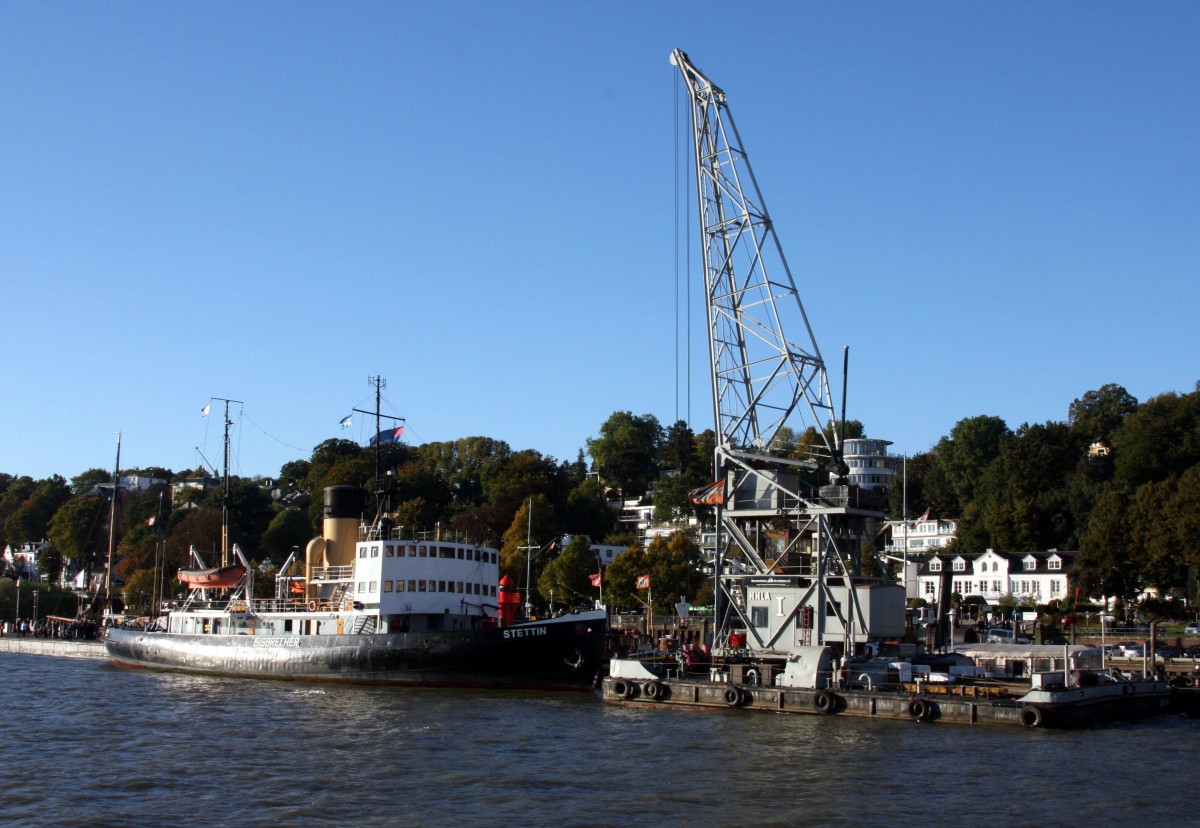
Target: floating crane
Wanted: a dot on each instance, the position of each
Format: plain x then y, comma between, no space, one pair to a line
799,535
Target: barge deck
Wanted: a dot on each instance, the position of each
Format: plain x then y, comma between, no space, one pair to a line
1047,702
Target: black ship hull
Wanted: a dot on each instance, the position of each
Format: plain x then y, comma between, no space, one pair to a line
564,653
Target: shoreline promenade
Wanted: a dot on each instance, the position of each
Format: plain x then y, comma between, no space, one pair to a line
53,647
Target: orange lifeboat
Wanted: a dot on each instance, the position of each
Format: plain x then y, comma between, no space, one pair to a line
217,576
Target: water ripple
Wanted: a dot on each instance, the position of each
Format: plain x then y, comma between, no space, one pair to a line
90,744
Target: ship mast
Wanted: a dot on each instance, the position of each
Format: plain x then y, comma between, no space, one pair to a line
112,529
225,485
382,492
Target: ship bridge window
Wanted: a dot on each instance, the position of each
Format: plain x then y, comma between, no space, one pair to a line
391,551
374,587
412,551
387,586
758,617
374,551
421,553
362,552
420,586
446,552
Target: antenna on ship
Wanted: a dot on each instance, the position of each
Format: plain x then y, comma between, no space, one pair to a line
382,492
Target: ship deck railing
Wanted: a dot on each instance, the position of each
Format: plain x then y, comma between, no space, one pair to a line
303,604
331,574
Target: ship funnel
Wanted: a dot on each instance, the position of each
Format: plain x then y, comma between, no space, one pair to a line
341,515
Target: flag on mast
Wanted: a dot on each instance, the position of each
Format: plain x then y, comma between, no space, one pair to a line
388,435
596,578
347,421
711,495
207,408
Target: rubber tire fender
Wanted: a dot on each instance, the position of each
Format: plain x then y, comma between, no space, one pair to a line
622,689
825,702
733,696
920,709
654,690
1030,715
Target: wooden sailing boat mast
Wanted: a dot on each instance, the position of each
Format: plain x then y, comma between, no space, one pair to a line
112,530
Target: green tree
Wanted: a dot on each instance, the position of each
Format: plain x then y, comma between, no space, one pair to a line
971,447
626,452
525,531
250,511
1160,440
76,530
620,578
1152,535
294,475
86,482
509,482
566,578
50,563
139,592
586,511
289,529
1098,415
1105,563
674,570
27,524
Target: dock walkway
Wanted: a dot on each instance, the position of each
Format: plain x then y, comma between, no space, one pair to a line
66,648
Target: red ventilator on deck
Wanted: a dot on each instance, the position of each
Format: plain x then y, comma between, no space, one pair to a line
510,599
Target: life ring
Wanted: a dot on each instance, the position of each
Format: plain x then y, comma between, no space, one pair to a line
733,696
1030,716
312,606
653,690
752,676
622,689
825,701
920,709
1188,681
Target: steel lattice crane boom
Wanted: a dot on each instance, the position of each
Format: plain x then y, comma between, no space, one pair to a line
761,378
800,538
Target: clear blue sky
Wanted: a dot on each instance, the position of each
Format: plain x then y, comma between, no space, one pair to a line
995,205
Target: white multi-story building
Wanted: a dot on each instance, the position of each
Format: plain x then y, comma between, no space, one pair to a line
1038,577
871,467
919,536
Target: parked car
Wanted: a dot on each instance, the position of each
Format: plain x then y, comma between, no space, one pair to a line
1193,651
1132,651
999,635
1168,651
1192,629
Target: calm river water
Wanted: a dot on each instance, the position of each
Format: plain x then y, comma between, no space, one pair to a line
86,743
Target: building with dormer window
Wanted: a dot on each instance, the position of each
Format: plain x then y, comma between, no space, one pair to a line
1037,577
